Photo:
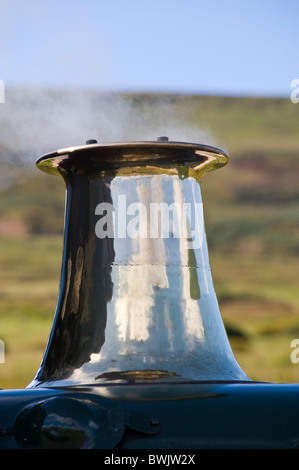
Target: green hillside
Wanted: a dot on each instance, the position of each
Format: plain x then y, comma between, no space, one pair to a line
251,211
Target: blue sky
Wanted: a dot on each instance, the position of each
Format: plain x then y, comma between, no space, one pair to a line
187,46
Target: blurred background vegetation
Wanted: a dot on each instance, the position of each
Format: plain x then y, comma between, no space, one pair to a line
251,210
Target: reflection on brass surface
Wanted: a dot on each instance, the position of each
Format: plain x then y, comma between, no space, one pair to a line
136,375
77,281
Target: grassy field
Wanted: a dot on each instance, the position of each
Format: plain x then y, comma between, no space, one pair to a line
251,211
